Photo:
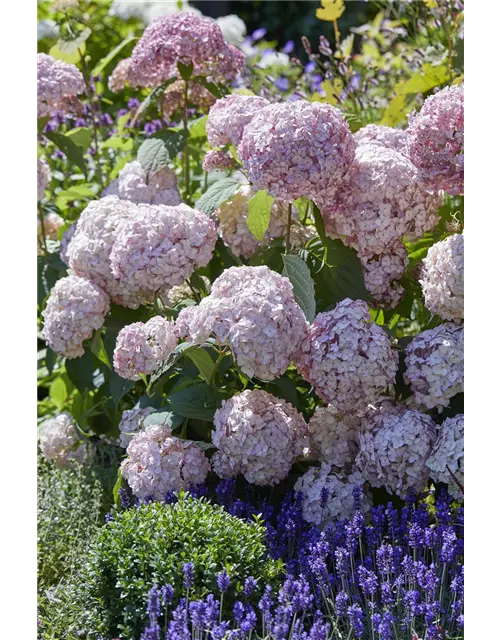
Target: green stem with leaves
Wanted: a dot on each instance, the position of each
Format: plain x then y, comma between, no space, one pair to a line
92,115
43,239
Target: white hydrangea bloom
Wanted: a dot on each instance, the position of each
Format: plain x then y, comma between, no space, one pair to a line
75,309
257,435
233,29
135,185
448,455
65,240
252,309
347,358
158,463
442,278
147,10
274,59
142,347
334,438
159,247
60,441
395,444
435,365
47,29
340,502
89,250
43,177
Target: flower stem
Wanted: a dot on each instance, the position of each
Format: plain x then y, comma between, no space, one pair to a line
92,114
187,195
288,228
43,239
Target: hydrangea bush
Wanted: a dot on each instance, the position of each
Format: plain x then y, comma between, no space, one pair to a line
251,264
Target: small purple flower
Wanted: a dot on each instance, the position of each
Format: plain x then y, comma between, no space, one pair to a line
310,66
355,614
250,584
188,571
223,581
289,47
282,83
258,34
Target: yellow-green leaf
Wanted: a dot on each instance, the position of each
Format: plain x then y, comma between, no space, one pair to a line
330,10
259,213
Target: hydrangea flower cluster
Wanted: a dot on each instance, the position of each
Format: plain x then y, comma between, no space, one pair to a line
327,496
435,365
158,463
159,247
297,149
436,140
75,309
446,462
52,222
135,185
347,358
395,444
182,291
88,250
442,278
43,177
257,435
384,136
60,441
119,78
185,38
334,438
131,422
142,347
229,116
379,202
218,160
58,84
252,309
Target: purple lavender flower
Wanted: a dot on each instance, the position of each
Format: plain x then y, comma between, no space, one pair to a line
258,34
289,47
188,571
355,615
223,581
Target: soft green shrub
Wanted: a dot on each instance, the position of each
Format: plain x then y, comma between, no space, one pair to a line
149,544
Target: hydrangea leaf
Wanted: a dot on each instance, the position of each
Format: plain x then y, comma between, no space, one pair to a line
156,153
198,128
81,136
103,62
166,418
259,213
202,360
71,150
199,402
216,194
297,271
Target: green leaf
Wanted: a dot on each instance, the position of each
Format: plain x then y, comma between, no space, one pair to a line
166,418
156,153
198,129
216,194
58,393
81,371
199,402
118,142
303,285
103,63
68,47
118,387
202,360
81,136
259,213
217,90
72,151
70,58
185,70
118,485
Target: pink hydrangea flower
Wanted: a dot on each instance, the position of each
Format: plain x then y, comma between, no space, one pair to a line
258,436
173,98
60,442
396,139
186,38
436,140
142,347
119,78
131,422
229,116
218,160
58,84
446,462
135,185
347,358
297,149
75,309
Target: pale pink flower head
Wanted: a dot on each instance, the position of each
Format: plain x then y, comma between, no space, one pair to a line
340,503
88,251
384,136
135,185
131,422
348,358
60,442
58,84
380,201
52,222
218,160
253,310
383,272
442,278
75,309
186,38
119,78
435,366
158,463
142,347
159,247
43,177
257,435
446,462
395,445
297,149
436,140
229,116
